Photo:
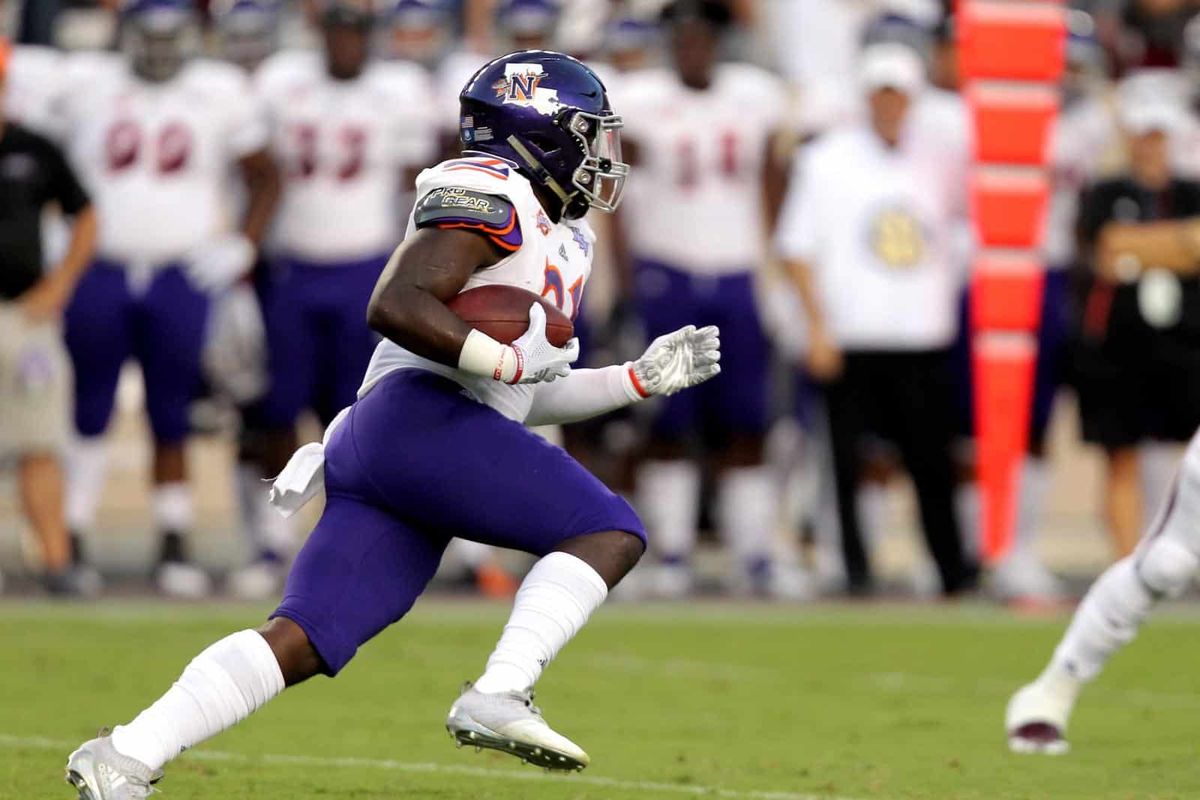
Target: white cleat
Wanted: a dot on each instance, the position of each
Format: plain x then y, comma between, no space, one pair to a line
1022,576
258,580
182,580
511,723
99,772
1036,721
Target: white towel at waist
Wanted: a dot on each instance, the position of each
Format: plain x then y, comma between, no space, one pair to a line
304,476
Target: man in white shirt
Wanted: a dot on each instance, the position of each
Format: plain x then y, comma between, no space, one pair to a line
865,233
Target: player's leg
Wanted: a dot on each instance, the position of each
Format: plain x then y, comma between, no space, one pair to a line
467,470
747,505
923,428
359,571
35,414
846,407
99,339
170,328
668,480
269,428
1164,565
352,342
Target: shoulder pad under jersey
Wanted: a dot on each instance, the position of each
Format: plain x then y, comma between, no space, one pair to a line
456,207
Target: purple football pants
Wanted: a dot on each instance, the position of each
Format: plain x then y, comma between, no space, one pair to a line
318,341
735,402
416,463
162,326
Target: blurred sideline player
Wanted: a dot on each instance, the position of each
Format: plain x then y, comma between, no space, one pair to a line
1164,565
707,192
348,133
155,135
435,444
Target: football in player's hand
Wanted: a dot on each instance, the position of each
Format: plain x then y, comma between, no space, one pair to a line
502,312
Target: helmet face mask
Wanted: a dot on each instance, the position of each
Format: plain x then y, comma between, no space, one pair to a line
247,30
548,114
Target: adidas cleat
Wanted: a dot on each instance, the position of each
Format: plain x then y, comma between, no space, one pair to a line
99,772
511,723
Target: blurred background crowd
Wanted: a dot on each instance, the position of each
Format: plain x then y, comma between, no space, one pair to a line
219,181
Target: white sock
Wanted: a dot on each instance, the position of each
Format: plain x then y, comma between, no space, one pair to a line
748,514
86,467
1158,461
221,687
1106,620
554,601
1035,485
265,529
668,494
172,504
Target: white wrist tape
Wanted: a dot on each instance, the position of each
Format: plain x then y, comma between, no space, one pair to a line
483,355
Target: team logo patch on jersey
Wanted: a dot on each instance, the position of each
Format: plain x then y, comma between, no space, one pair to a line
543,223
521,86
897,238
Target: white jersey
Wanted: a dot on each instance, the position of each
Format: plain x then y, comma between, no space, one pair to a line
156,157
32,83
554,260
1085,131
696,193
875,224
343,147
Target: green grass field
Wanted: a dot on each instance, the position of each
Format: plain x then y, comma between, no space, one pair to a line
672,702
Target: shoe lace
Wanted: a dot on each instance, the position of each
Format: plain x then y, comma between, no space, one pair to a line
526,697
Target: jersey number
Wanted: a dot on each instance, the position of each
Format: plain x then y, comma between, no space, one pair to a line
352,152
689,168
555,285
172,148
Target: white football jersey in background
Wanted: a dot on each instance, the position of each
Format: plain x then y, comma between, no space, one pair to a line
156,157
343,148
32,82
695,196
554,261
1084,134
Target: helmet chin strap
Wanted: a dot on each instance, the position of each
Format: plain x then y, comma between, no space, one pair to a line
539,172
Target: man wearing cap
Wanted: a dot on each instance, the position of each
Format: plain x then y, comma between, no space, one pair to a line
865,234
1137,361
35,375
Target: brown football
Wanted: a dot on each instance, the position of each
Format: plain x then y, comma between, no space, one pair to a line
502,312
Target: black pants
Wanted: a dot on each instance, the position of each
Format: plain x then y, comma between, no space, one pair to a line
907,398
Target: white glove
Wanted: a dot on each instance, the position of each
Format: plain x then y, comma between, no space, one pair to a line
678,360
537,360
220,263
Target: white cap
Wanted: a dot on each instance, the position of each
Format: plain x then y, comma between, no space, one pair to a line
1147,116
891,65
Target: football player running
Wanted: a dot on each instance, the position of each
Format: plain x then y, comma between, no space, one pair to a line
155,135
435,447
1164,565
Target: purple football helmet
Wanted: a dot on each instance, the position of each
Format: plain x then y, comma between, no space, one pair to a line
548,115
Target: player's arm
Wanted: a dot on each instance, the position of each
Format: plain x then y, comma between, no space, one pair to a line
1123,249
50,295
672,363
459,231
774,179
263,184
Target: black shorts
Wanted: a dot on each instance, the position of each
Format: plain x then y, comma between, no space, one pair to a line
1138,383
